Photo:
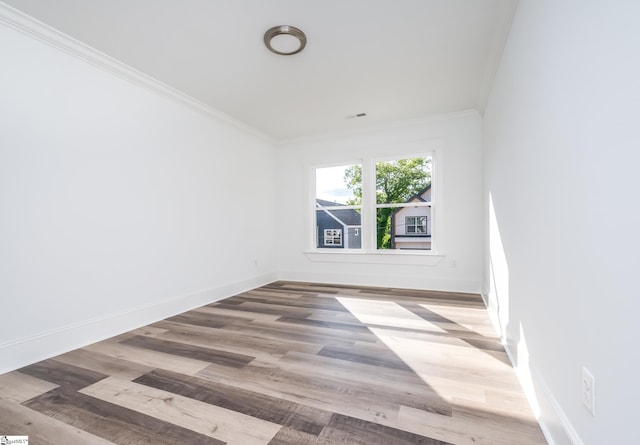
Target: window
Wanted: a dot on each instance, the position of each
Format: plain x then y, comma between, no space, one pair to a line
332,237
383,205
415,225
338,212
403,203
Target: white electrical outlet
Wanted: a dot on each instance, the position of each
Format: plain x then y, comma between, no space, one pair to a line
588,391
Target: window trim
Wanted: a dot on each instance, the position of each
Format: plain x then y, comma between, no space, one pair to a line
368,252
314,235
375,206
355,256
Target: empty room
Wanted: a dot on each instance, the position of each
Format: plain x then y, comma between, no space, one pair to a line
319,222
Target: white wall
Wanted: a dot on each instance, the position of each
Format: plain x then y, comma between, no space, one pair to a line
459,211
561,167
118,205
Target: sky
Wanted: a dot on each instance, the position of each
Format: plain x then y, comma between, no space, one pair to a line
330,184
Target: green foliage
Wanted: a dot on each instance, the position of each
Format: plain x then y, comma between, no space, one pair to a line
396,182
353,180
383,231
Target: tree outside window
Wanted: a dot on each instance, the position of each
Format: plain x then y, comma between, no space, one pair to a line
398,182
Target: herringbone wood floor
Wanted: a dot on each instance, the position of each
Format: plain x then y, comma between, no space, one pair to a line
287,363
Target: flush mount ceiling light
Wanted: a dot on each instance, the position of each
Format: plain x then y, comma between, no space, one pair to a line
285,40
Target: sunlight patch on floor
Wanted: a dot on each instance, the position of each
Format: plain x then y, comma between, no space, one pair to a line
387,314
469,319
442,366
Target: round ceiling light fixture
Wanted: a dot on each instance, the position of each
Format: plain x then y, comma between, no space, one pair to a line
285,40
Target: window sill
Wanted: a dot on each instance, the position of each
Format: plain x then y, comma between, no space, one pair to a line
395,257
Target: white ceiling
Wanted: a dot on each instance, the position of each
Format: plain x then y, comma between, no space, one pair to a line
393,60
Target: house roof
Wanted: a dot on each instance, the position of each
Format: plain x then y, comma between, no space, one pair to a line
416,197
348,217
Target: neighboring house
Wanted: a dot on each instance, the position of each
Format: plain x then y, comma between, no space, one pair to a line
411,226
337,228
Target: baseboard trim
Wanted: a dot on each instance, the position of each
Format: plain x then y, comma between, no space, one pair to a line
400,282
568,430
23,351
555,425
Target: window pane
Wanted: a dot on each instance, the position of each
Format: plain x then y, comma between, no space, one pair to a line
403,180
415,224
338,228
406,227
339,185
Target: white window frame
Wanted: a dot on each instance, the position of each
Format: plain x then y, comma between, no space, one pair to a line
373,205
369,253
312,187
332,237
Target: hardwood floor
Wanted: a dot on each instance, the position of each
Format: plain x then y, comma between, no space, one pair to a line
287,363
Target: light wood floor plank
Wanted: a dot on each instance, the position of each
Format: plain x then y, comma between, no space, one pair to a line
317,393
271,409
18,387
237,342
149,358
105,364
113,422
219,423
17,420
465,429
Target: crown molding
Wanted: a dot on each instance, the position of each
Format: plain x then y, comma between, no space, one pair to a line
38,30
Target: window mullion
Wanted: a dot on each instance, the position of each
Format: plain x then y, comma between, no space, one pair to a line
369,205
